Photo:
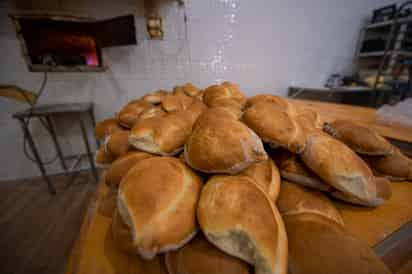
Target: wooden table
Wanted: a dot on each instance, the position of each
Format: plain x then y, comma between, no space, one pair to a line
95,252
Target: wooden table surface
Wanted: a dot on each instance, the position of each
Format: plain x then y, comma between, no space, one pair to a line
96,253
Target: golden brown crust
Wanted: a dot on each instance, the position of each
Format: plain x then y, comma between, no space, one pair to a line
103,157
156,97
269,98
160,216
266,175
151,112
130,113
121,234
176,102
275,126
201,257
239,218
106,127
163,135
359,138
117,144
122,165
294,170
221,144
226,91
319,245
340,167
295,199
396,166
309,120
190,90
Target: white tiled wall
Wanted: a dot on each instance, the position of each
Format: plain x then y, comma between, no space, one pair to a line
264,45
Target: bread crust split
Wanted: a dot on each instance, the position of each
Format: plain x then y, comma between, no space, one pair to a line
238,217
361,139
130,113
221,144
340,167
106,127
161,215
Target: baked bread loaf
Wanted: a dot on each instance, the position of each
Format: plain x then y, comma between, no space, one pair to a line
106,127
221,144
163,135
226,92
295,199
129,114
319,245
201,257
190,90
122,165
309,120
340,167
160,216
266,175
176,102
151,112
239,218
269,98
102,158
275,126
117,144
361,139
155,98
294,170
396,167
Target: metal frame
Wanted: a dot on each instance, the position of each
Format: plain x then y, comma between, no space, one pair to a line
24,116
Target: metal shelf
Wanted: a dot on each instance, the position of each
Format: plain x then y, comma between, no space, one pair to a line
388,23
381,53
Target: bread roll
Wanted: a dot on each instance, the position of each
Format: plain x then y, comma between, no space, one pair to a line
275,126
107,204
295,199
269,98
194,110
319,245
121,234
106,127
151,112
266,175
201,257
164,135
176,102
226,91
155,98
395,167
229,105
294,170
122,165
221,144
159,214
129,114
117,144
309,120
239,218
359,138
340,167
102,158
190,90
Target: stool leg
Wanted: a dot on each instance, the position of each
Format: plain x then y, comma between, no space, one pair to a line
93,119
37,156
89,153
56,143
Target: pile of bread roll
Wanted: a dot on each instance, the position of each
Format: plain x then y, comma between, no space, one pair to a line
220,183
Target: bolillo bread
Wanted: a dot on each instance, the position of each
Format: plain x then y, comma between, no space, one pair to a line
150,113
102,158
340,167
122,165
319,245
361,139
295,199
106,127
397,166
225,93
309,120
176,102
161,215
221,144
190,90
155,98
273,99
201,257
294,170
117,144
239,218
129,114
266,175
275,126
